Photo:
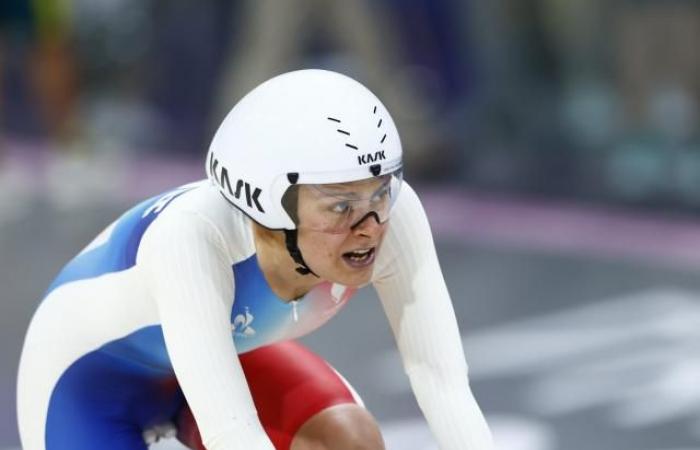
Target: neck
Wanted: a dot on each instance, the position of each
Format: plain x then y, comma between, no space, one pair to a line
278,267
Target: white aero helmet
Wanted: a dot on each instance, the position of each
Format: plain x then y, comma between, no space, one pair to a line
302,127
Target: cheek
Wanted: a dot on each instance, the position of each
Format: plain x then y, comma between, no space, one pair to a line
321,245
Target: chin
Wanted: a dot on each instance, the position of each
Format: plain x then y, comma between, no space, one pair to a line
358,279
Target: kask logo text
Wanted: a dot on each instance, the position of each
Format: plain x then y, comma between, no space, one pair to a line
220,174
371,157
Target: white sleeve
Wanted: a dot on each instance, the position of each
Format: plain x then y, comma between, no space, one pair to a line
191,280
414,296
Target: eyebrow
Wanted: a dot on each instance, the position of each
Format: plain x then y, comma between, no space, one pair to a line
353,195
384,180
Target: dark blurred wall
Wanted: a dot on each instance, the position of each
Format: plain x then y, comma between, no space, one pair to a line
588,99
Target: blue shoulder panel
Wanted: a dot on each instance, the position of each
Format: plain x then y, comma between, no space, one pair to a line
119,252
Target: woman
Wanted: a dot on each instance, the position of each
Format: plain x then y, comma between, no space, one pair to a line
185,308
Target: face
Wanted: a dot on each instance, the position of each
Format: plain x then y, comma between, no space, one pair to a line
345,255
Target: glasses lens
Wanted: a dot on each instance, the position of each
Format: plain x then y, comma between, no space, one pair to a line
335,208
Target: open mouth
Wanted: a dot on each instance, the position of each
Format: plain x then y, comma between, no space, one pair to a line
359,258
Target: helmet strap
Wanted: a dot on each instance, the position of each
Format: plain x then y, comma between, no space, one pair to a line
295,253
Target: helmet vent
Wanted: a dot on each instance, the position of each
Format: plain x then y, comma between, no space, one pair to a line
379,124
347,133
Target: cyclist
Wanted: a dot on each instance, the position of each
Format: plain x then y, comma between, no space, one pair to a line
184,310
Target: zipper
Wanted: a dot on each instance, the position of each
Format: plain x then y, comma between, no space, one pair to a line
295,313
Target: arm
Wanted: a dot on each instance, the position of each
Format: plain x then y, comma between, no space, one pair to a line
415,299
190,278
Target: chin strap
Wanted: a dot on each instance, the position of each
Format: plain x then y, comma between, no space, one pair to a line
295,253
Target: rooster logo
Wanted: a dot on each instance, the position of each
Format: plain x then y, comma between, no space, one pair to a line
241,324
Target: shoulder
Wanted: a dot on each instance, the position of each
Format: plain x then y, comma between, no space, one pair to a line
201,213
408,217
408,239
407,203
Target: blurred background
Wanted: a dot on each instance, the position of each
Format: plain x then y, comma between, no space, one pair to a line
555,145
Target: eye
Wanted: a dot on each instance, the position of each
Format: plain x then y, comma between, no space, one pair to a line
340,207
